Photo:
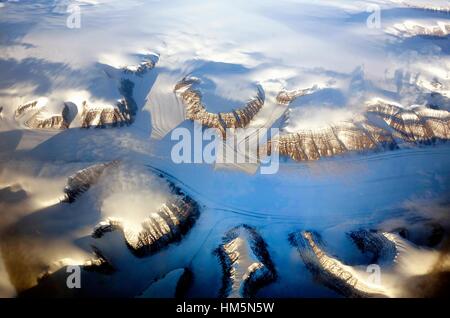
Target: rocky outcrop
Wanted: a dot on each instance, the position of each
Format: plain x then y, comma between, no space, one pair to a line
417,125
34,116
379,245
428,233
51,122
42,120
186,83
196,111
142,68
13,193
123,113
167,225
331,141
411,29
328,270
184,283
102,117
286,97
82,180
98,264
22,109
246,263
174,284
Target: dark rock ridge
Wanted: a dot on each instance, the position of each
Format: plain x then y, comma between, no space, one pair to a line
83,179
334,140
140,69
98,264
163,227
53,281
123,113
286,97
328,270
174,284
42,121
246,263
428,234
39,118
410,30
13,193
415,125
103,117
196,111
52,122
22,109
419,125
378,245
184,283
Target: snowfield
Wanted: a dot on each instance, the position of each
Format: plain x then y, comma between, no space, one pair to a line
92,94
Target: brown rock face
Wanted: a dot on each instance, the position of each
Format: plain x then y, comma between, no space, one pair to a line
41,120
328,270
123,113
246,263
195,110
140,69
415,125
21,110
82,180
166,225
331,141
411,30
286,97
104,117
418,125
53,122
